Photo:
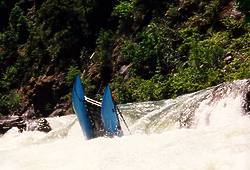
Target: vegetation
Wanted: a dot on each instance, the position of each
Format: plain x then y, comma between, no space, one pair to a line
146,50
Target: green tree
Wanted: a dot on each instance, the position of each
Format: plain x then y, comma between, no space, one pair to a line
244,5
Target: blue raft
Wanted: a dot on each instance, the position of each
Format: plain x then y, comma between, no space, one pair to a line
78,102
108,115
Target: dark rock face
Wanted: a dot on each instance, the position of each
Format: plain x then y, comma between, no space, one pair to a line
45,92
42,95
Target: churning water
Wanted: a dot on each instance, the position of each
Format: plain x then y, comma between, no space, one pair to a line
206,130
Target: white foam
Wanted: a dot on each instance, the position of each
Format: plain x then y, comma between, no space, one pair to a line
220,140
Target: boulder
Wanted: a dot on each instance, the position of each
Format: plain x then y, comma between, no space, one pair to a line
247,103
7,122
39,124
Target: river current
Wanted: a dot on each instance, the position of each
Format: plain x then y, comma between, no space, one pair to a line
205,130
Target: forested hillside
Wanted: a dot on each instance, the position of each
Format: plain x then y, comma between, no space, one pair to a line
145,49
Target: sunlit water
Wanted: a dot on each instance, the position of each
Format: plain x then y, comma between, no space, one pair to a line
206,130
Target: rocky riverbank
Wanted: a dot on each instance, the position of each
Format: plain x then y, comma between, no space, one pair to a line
42,97
8,122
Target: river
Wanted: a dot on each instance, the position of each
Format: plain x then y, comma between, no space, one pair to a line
205,130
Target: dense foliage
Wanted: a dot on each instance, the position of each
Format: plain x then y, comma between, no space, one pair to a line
147,50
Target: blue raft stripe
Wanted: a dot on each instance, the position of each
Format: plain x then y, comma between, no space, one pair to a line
80,108
109,114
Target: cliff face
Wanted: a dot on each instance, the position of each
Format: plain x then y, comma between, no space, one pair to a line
147,50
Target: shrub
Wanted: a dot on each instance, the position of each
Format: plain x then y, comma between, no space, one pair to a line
205,54
154,51
18,24
124,9
235,27
104,44
238,69
138,89
9,102
71,74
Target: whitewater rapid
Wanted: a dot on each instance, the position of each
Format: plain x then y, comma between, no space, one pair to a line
206,130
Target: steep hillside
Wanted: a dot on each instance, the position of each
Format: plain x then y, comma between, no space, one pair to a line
146,49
